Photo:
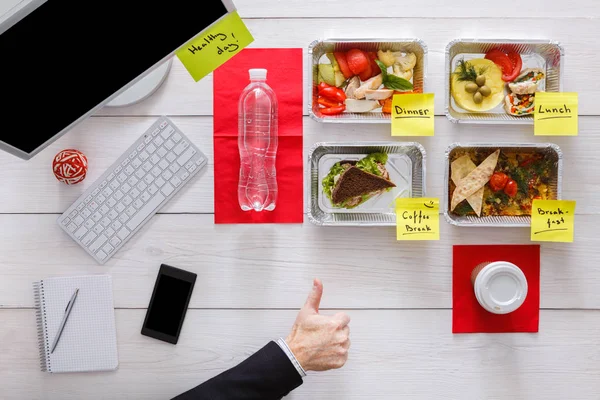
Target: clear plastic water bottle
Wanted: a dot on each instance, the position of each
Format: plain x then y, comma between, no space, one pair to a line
257,142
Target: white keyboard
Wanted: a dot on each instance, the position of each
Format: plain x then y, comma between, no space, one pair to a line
132,190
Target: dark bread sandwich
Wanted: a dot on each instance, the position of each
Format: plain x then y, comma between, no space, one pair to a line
351,183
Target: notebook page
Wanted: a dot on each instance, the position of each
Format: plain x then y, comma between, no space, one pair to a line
88,341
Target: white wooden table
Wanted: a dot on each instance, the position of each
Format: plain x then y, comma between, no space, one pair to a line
253,278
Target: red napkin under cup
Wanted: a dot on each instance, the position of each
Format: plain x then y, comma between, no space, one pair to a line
284,75
468,316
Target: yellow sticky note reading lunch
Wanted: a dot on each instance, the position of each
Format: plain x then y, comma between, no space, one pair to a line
412,114
556,114
418,219
552,220
217,44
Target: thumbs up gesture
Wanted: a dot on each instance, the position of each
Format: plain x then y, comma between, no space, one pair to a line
319,342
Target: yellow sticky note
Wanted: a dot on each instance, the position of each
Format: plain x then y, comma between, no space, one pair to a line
556,114
215,45
552,220
418,219
412,114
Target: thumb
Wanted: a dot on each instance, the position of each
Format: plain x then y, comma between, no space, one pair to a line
314,297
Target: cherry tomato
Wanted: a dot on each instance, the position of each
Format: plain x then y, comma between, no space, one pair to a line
501,59
367,73
333,94
374,67
511,188
498,181
515,59
327,103
357,60
340,57
333,110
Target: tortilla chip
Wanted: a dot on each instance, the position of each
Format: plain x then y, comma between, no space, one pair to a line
475,180
461,167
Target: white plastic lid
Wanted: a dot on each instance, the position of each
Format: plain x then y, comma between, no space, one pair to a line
258,73
501,287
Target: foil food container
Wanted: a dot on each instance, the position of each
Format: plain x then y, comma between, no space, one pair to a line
406,166
555,183
318,48
544,54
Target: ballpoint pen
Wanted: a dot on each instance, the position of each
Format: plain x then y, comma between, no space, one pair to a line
64,320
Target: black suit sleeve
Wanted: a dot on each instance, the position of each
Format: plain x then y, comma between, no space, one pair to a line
266,375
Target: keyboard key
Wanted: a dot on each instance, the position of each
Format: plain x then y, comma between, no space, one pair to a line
103,184
171,157
132,181
135,164
116,225
123,218
96,191
100,199
98,229
144,156
146,167
141,147
131,211
167,175
176,181
109,232
88,199
110,177
78,220
174,168
180,148
138,203
167,189
120,207
115,241
185,157
152,189
118,169
114,185
145,211
106,221
154,159
125,162
176,137
93,206
155,132
107,192
140,173
148,139
66,221
163,164
96,216
126,188
89,223
101,255
189,164
127,200
86,213
111,202
158,141
145,197
104,209
161,152
167,133
151,148
192,168
149,179
98,243
163,124
113,214
159,181
185,175
122,177
123,233
156,171
119,195
89,238
80,232
169,144
72,227
141,186
80,207
134,193
108,248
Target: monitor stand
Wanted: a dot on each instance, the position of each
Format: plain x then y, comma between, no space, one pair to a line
143,88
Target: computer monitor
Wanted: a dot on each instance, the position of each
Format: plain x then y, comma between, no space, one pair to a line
62,60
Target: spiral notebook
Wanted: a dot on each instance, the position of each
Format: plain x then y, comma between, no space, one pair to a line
89,339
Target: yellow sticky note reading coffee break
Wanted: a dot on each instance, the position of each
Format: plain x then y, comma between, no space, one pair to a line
418,219
552,220
217,44
556,114
412,114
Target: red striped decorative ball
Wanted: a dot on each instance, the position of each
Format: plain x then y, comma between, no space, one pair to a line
70,166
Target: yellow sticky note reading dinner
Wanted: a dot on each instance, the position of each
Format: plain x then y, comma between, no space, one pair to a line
217,44
412,114
418,219
556,114
552,220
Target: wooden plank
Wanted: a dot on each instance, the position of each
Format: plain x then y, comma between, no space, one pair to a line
30,186
272,266
394,354
182,96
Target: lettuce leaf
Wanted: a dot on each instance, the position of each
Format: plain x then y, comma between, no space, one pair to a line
329,180
369,163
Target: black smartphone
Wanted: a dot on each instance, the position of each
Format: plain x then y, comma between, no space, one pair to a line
168,304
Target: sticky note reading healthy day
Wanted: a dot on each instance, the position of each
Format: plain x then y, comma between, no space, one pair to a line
552,220
412,114
221,41
418,219
556,114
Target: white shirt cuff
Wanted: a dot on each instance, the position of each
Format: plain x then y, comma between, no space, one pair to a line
286,349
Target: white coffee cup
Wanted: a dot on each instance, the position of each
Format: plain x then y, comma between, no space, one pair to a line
500,287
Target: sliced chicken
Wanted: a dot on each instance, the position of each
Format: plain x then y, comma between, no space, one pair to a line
361,106
353,84
372,83
378,94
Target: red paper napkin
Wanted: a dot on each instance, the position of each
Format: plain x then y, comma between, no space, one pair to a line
284,75
467,314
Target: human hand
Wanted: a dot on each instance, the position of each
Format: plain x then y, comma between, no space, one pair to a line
319,342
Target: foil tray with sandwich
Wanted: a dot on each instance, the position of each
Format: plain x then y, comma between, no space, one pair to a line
492,185
495,81
357,183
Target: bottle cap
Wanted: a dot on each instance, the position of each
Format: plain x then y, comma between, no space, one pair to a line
258,73
501,287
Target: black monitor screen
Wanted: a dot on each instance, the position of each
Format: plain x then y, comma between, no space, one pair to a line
68,56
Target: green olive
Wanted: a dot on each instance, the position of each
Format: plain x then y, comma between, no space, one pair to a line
485,91
471,87
480,80
477,98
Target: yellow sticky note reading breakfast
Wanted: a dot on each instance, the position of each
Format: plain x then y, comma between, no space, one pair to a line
552,220
418,219
412,114
217,44
556,114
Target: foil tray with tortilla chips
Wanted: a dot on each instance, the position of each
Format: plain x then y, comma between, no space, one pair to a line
495,185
